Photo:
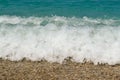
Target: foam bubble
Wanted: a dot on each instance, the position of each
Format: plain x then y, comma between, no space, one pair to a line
56,38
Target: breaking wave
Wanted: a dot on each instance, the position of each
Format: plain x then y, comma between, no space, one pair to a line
56,38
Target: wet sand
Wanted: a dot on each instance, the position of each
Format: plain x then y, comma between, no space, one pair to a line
68,70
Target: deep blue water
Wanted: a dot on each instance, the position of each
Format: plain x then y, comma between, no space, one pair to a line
67,8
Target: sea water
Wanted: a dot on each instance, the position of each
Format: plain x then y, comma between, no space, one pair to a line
56,29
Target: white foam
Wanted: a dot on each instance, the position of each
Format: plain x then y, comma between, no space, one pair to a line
56,38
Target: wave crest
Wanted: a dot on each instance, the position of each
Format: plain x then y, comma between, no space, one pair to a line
55,38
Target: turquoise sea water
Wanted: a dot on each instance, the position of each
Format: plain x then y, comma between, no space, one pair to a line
57,29
67,8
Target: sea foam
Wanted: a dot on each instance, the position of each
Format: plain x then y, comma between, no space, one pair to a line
56,38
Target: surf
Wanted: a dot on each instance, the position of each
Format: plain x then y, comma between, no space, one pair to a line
56,38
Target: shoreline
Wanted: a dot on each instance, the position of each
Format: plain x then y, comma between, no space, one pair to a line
43,70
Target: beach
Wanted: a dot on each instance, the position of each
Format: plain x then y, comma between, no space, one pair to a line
68,70
59,39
